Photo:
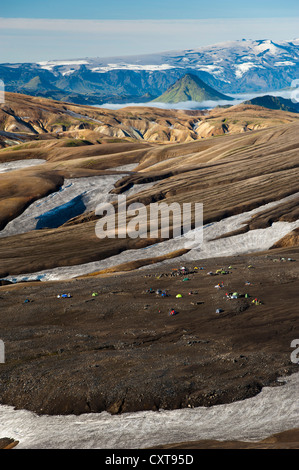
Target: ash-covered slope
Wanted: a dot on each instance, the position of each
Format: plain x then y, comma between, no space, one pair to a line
82,354
230,175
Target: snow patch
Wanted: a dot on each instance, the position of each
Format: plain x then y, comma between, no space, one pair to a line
68,72
56,63
273,410
286,63
123,66
18,164
93,191
249,242
241,69
269,47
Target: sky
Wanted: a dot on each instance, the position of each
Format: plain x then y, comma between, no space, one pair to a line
32,31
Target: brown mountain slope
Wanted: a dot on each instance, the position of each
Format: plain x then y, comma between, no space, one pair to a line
291,239
228,175
23,117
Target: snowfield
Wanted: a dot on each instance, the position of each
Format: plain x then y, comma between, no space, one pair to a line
148,67
243,68
249,242
86,192
273,410
18,164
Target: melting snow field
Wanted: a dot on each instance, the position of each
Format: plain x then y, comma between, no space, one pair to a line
274,409
18,164
252,241
89,192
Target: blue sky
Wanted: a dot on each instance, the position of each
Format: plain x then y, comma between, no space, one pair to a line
33,30
148,9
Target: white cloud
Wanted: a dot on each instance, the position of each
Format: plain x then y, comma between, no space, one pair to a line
33,39
185,105
150,26
181,105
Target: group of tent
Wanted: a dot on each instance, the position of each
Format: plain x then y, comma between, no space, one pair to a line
183,271
220,285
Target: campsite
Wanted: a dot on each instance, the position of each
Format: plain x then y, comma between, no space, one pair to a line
110,344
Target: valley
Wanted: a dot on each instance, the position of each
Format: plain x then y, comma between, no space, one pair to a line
111,345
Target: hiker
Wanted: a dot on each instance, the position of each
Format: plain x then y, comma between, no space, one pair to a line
183,270
219,285
172,312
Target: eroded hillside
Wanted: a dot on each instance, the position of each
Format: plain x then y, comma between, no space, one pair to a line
231,175
24,118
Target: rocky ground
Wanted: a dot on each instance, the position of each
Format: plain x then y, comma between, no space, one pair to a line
119,350
7,443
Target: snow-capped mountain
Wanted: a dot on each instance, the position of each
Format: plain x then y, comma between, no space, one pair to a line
223,61
231,67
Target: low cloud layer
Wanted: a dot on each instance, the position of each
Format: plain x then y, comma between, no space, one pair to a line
238,99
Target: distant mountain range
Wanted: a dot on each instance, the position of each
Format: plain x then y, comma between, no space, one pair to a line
233,67
190,88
